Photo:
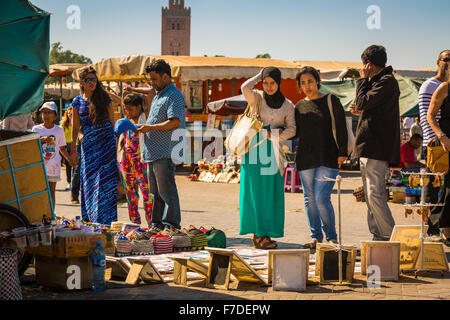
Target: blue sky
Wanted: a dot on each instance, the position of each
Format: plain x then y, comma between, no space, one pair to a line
413,31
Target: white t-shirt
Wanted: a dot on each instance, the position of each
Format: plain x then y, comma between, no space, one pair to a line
50,151
407,123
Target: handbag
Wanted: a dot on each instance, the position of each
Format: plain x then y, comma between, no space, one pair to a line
437,158
246,127
350,136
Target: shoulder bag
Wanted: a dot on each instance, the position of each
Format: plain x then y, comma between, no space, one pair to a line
350,135
246,127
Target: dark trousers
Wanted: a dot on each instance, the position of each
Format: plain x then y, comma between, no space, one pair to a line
67,165
76,175
166,203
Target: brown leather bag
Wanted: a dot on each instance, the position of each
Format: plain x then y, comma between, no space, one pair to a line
437,158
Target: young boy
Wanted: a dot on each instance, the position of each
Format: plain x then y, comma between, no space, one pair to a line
53,144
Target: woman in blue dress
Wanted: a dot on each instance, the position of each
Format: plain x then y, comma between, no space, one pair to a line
93,112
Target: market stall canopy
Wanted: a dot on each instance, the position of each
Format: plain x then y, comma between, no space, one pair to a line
24,56
69,91
330,70
230,106
64,69
132,68
409,93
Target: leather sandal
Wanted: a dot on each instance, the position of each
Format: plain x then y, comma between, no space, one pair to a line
266,244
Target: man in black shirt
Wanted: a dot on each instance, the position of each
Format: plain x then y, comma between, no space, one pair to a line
378,136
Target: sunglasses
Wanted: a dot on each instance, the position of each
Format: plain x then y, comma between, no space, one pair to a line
90,80
445,59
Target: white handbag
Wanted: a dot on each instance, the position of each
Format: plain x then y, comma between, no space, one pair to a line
351,137
246,127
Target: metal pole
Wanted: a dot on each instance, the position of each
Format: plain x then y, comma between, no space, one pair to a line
338,180
60,98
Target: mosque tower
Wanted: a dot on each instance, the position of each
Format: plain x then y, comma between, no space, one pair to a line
176,29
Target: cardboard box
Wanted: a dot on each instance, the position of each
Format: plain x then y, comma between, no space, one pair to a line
72,246
62,273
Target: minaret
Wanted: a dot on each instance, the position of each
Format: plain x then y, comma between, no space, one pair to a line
176,29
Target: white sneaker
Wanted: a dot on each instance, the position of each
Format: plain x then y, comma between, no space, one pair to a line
69,187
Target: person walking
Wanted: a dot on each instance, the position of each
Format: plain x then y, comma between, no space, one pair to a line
164,134
261,200
378,136
319,153
93,109
440,101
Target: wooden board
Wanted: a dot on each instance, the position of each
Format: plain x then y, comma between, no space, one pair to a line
384,254
182,265
148,273
409,244
435,257
290,271
327,267
294,251
223,263
219,270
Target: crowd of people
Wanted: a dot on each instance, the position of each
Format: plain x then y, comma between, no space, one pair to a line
86,140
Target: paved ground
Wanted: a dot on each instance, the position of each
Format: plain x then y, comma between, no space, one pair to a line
209,204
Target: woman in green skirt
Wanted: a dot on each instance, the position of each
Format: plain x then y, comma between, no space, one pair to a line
261,201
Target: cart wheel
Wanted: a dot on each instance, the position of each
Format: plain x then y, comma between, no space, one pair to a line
11,218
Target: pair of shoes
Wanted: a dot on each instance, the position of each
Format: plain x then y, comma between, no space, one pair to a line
74,200
153,231
264,243
171,231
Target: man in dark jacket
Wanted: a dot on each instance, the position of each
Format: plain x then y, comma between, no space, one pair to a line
377,136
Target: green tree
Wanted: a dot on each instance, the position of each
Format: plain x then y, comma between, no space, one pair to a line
264,56
58,55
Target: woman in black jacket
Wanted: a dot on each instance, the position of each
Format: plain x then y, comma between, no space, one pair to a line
320,153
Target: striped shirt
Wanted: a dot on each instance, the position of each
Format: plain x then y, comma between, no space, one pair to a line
425,93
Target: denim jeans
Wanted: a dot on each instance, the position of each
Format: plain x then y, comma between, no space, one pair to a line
76,175
317,194
166,204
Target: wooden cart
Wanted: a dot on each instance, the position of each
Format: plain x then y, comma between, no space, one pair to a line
23,179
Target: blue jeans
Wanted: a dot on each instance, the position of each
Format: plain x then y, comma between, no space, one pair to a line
166,204
317,194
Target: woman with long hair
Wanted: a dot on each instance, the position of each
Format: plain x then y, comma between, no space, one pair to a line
261,205
66,124
320,153
94,112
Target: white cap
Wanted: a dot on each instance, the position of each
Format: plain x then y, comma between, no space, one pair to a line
50,105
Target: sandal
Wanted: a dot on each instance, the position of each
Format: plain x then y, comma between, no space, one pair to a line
266,244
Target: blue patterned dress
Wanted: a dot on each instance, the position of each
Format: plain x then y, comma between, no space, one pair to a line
98,171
